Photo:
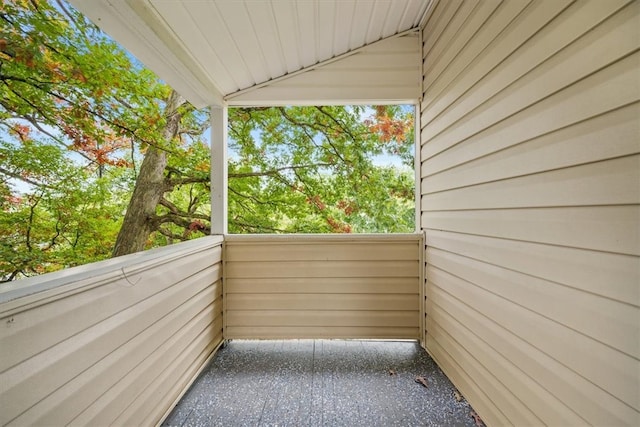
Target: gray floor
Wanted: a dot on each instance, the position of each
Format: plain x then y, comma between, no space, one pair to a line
321,383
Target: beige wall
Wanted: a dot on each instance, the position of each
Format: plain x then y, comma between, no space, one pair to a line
114,342
530,203
387,70
322,286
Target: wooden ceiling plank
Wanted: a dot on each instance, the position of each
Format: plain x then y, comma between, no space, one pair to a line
377,22
267,34
360,24
325,29
306,35
179,19
343,25
393,18
284,15
236,17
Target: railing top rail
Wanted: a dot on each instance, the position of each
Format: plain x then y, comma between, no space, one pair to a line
102,271
281,238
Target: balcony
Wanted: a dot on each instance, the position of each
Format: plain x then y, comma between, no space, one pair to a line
528,199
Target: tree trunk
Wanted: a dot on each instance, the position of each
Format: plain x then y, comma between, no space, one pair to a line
149,188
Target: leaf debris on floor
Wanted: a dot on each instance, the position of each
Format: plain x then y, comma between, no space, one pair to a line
422,380
477,419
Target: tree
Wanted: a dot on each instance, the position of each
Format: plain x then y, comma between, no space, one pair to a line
311,170
141,219
66,219
63,80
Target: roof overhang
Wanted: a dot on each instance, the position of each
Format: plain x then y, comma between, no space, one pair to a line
273,52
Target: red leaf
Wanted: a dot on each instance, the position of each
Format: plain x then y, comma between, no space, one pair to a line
477,419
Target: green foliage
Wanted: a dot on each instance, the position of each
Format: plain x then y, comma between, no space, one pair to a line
311,170
68,218
59,70
73,109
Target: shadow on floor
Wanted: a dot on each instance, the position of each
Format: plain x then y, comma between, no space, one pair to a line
321,383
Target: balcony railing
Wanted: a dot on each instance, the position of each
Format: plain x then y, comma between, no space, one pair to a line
118,342
115,342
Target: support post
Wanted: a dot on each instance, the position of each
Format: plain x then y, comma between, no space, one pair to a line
417,168
219,173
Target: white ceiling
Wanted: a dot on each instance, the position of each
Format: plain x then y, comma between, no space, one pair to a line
210,49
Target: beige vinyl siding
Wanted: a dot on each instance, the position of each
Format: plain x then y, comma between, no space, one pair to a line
530,204
322,286
387,70
114,342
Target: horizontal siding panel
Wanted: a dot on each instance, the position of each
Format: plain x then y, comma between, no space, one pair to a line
609,89
610,322
178,387
577,392
598,363
509,376
44,373
48,324
61,407
180,384
530,184
577,144
35,291
604,228
441,19
483,404
143,410
522,80
322,285
615,86
388,91
510,26
612,276
517,412
347,78
612,182
272,251
452,43
262,269
435,47
135,319
379,61
299,318
311,286
124,394
331,332
386,70
328,302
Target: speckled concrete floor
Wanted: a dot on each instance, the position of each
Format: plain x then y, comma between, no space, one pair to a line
321,383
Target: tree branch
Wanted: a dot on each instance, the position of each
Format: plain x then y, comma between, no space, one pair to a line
170,184
27,180
38,85
260,227
174,210
32,213
277,171
333,119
